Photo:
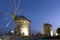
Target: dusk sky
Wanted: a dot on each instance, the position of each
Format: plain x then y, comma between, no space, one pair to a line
38,11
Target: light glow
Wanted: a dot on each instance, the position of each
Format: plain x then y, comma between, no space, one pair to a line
12,31
51,33
0,39
24,31
56,34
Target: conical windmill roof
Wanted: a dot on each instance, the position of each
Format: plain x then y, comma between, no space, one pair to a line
21,17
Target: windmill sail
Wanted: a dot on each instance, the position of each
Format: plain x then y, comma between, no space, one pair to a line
18,5
8,23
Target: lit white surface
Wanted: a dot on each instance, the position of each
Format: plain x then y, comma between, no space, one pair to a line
0,39
25,31
56,34
51,33
12,31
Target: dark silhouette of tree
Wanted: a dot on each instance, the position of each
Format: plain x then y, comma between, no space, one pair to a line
38,34
9,33
58,31
33,35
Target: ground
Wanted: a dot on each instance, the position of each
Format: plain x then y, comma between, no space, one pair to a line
23,38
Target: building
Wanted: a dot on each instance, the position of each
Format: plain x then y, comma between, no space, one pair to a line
47,29
22,26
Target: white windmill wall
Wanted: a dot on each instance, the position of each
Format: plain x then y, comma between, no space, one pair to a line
22,27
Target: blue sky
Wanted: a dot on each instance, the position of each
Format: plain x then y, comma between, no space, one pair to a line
38,11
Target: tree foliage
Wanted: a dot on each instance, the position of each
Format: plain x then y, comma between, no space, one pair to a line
58,30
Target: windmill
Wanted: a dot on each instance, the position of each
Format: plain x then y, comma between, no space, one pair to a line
22,23
16,8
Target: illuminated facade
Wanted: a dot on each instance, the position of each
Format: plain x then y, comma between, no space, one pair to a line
22,26
48,29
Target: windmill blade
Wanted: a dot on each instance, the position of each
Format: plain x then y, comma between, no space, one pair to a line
18,5
9,10
20,11
14,5
8,23
7,18
5,13
9,15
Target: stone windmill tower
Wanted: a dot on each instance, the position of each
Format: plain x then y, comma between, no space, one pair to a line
47,29
22,26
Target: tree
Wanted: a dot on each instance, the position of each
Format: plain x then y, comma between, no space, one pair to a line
58,31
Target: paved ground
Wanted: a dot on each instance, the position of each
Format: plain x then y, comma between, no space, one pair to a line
23,38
